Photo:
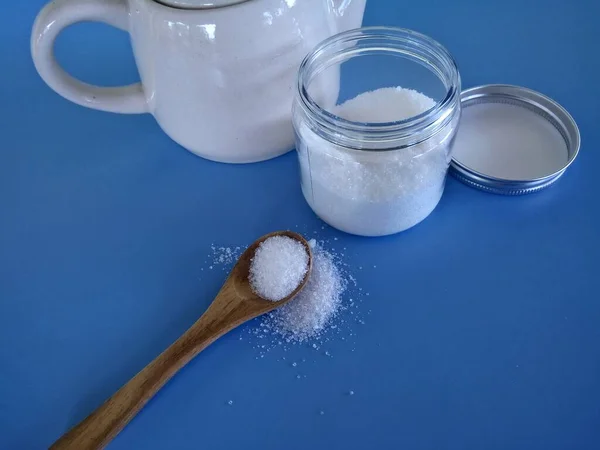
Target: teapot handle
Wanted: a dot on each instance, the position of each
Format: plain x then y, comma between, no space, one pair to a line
51,20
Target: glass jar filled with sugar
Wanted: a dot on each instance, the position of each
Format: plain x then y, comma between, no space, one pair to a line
374,155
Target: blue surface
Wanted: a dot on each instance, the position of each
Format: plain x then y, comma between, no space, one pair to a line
484,330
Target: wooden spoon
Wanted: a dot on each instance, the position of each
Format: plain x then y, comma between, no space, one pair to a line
235,304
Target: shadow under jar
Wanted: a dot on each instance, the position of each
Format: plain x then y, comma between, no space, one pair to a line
381,169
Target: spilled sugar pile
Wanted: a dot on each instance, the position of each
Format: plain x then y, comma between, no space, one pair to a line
226,256
326,309
309,313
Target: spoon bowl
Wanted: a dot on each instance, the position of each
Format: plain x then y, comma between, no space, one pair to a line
235,304
240,274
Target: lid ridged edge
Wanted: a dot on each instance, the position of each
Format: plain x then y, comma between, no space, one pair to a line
539,104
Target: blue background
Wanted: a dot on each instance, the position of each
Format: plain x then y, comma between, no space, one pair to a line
484,331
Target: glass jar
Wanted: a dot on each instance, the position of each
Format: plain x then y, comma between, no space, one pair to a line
375,177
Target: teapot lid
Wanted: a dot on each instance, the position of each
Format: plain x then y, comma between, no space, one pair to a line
200,4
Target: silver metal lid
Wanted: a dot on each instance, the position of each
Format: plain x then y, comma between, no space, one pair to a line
512,140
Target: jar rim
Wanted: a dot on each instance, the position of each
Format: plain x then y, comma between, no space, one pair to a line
414,129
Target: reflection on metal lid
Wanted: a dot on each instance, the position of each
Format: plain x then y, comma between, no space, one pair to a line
512,140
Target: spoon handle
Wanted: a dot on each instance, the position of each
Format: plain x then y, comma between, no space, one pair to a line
100,427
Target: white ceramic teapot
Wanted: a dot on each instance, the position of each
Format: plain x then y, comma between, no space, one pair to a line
217,75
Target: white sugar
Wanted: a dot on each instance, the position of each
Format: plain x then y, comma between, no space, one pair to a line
225,255
315,316
375,193
278,267
310,312
384,105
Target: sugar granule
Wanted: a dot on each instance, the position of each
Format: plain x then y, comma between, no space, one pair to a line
278,267
309,313
225,255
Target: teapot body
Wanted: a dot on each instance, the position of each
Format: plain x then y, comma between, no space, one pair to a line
219,81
